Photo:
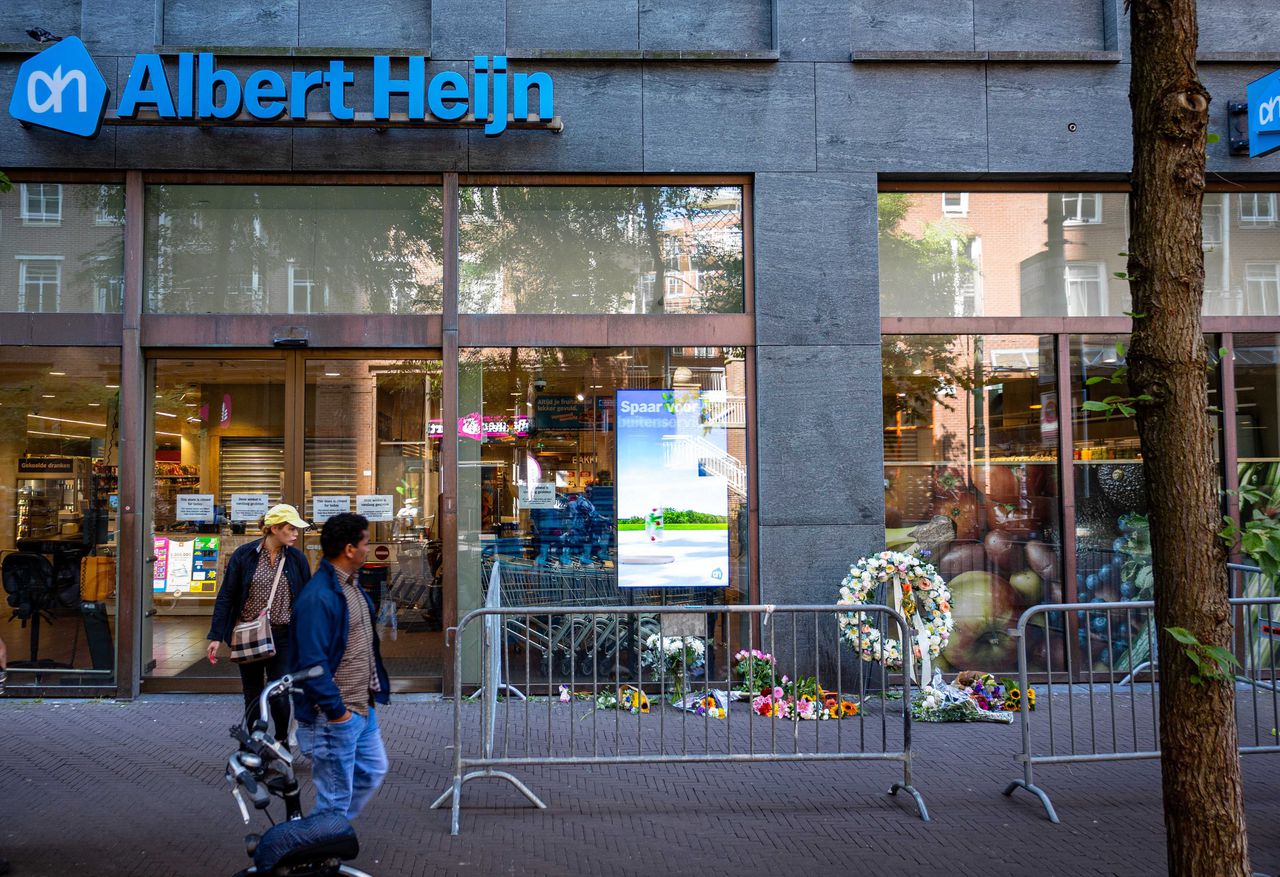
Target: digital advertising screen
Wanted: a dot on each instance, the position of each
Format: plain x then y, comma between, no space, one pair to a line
673,506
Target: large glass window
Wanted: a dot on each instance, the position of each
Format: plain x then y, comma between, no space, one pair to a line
1058,254
971,476
1113,549
372,446
602,475
601,250
59,432
218,457
57,255
293,249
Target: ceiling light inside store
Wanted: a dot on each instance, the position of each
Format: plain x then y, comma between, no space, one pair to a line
112,386
165,414
58,374
333,374
1035,407
48,396
66,435
67,420
174,434
624,355
94,404
918,371
581,397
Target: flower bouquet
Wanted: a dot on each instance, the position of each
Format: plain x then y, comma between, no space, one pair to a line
802,700
971,697
758,671
674,657
627,697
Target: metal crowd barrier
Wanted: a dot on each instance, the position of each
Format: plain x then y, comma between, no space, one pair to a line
1099,698
547,717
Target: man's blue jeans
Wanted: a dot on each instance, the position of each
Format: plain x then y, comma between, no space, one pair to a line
348,762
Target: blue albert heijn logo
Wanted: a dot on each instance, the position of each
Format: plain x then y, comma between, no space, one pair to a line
1264,115
61,88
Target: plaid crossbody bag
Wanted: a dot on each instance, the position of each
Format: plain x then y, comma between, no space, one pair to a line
252,640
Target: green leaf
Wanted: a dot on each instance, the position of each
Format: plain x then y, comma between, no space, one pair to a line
1212,138
1135,315
1121,274
1182,635
1222,352
1127,411
1120,349
1224,658
1091,405
1195,680
1096,379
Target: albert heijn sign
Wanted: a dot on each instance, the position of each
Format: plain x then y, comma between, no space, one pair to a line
62,89
1264,115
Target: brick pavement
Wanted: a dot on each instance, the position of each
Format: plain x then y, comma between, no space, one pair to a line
105,788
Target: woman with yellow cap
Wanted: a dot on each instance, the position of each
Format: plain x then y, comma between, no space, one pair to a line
247,591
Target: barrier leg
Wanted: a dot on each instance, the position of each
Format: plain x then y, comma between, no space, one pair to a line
911,790
454,791
1038,792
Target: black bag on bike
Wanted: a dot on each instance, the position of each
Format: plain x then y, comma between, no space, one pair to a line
299,841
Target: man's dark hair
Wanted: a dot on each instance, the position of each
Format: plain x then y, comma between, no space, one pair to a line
340,531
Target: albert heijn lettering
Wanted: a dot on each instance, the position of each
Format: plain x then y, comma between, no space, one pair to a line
207,92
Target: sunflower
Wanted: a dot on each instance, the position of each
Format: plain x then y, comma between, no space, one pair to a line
848,708
1014,695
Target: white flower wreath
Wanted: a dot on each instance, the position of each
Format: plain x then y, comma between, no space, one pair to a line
912,586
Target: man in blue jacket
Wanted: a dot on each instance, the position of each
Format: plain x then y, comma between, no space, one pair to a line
333,626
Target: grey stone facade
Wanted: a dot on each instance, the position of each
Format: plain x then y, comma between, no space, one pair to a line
819,100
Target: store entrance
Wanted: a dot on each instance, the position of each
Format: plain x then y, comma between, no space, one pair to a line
326,431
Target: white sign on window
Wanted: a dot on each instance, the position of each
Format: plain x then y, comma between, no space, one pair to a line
248,506
543,496
195,507
375,507
325,507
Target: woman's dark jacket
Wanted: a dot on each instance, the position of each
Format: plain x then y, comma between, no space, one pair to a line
237,578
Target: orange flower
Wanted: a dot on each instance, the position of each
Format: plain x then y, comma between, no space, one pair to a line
848,708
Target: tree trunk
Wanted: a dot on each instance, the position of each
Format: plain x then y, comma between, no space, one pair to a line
1200,764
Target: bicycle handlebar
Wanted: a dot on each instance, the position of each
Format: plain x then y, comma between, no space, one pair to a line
284,683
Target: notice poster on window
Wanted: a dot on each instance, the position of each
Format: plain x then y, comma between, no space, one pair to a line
673,492
248,506
375,507
325,506
195,507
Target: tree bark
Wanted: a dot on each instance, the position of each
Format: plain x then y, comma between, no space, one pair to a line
1200,764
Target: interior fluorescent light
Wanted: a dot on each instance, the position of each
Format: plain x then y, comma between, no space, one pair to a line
48,396
59,434
333,374
68,420
166,414
59,374
112,386
174,434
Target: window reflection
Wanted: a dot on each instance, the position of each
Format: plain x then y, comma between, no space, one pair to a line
1058,254
293,249
601,249
62,250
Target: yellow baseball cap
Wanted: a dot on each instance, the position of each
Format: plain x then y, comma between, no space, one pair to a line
284,514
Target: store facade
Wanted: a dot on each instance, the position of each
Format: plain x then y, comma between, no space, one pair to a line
351,301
